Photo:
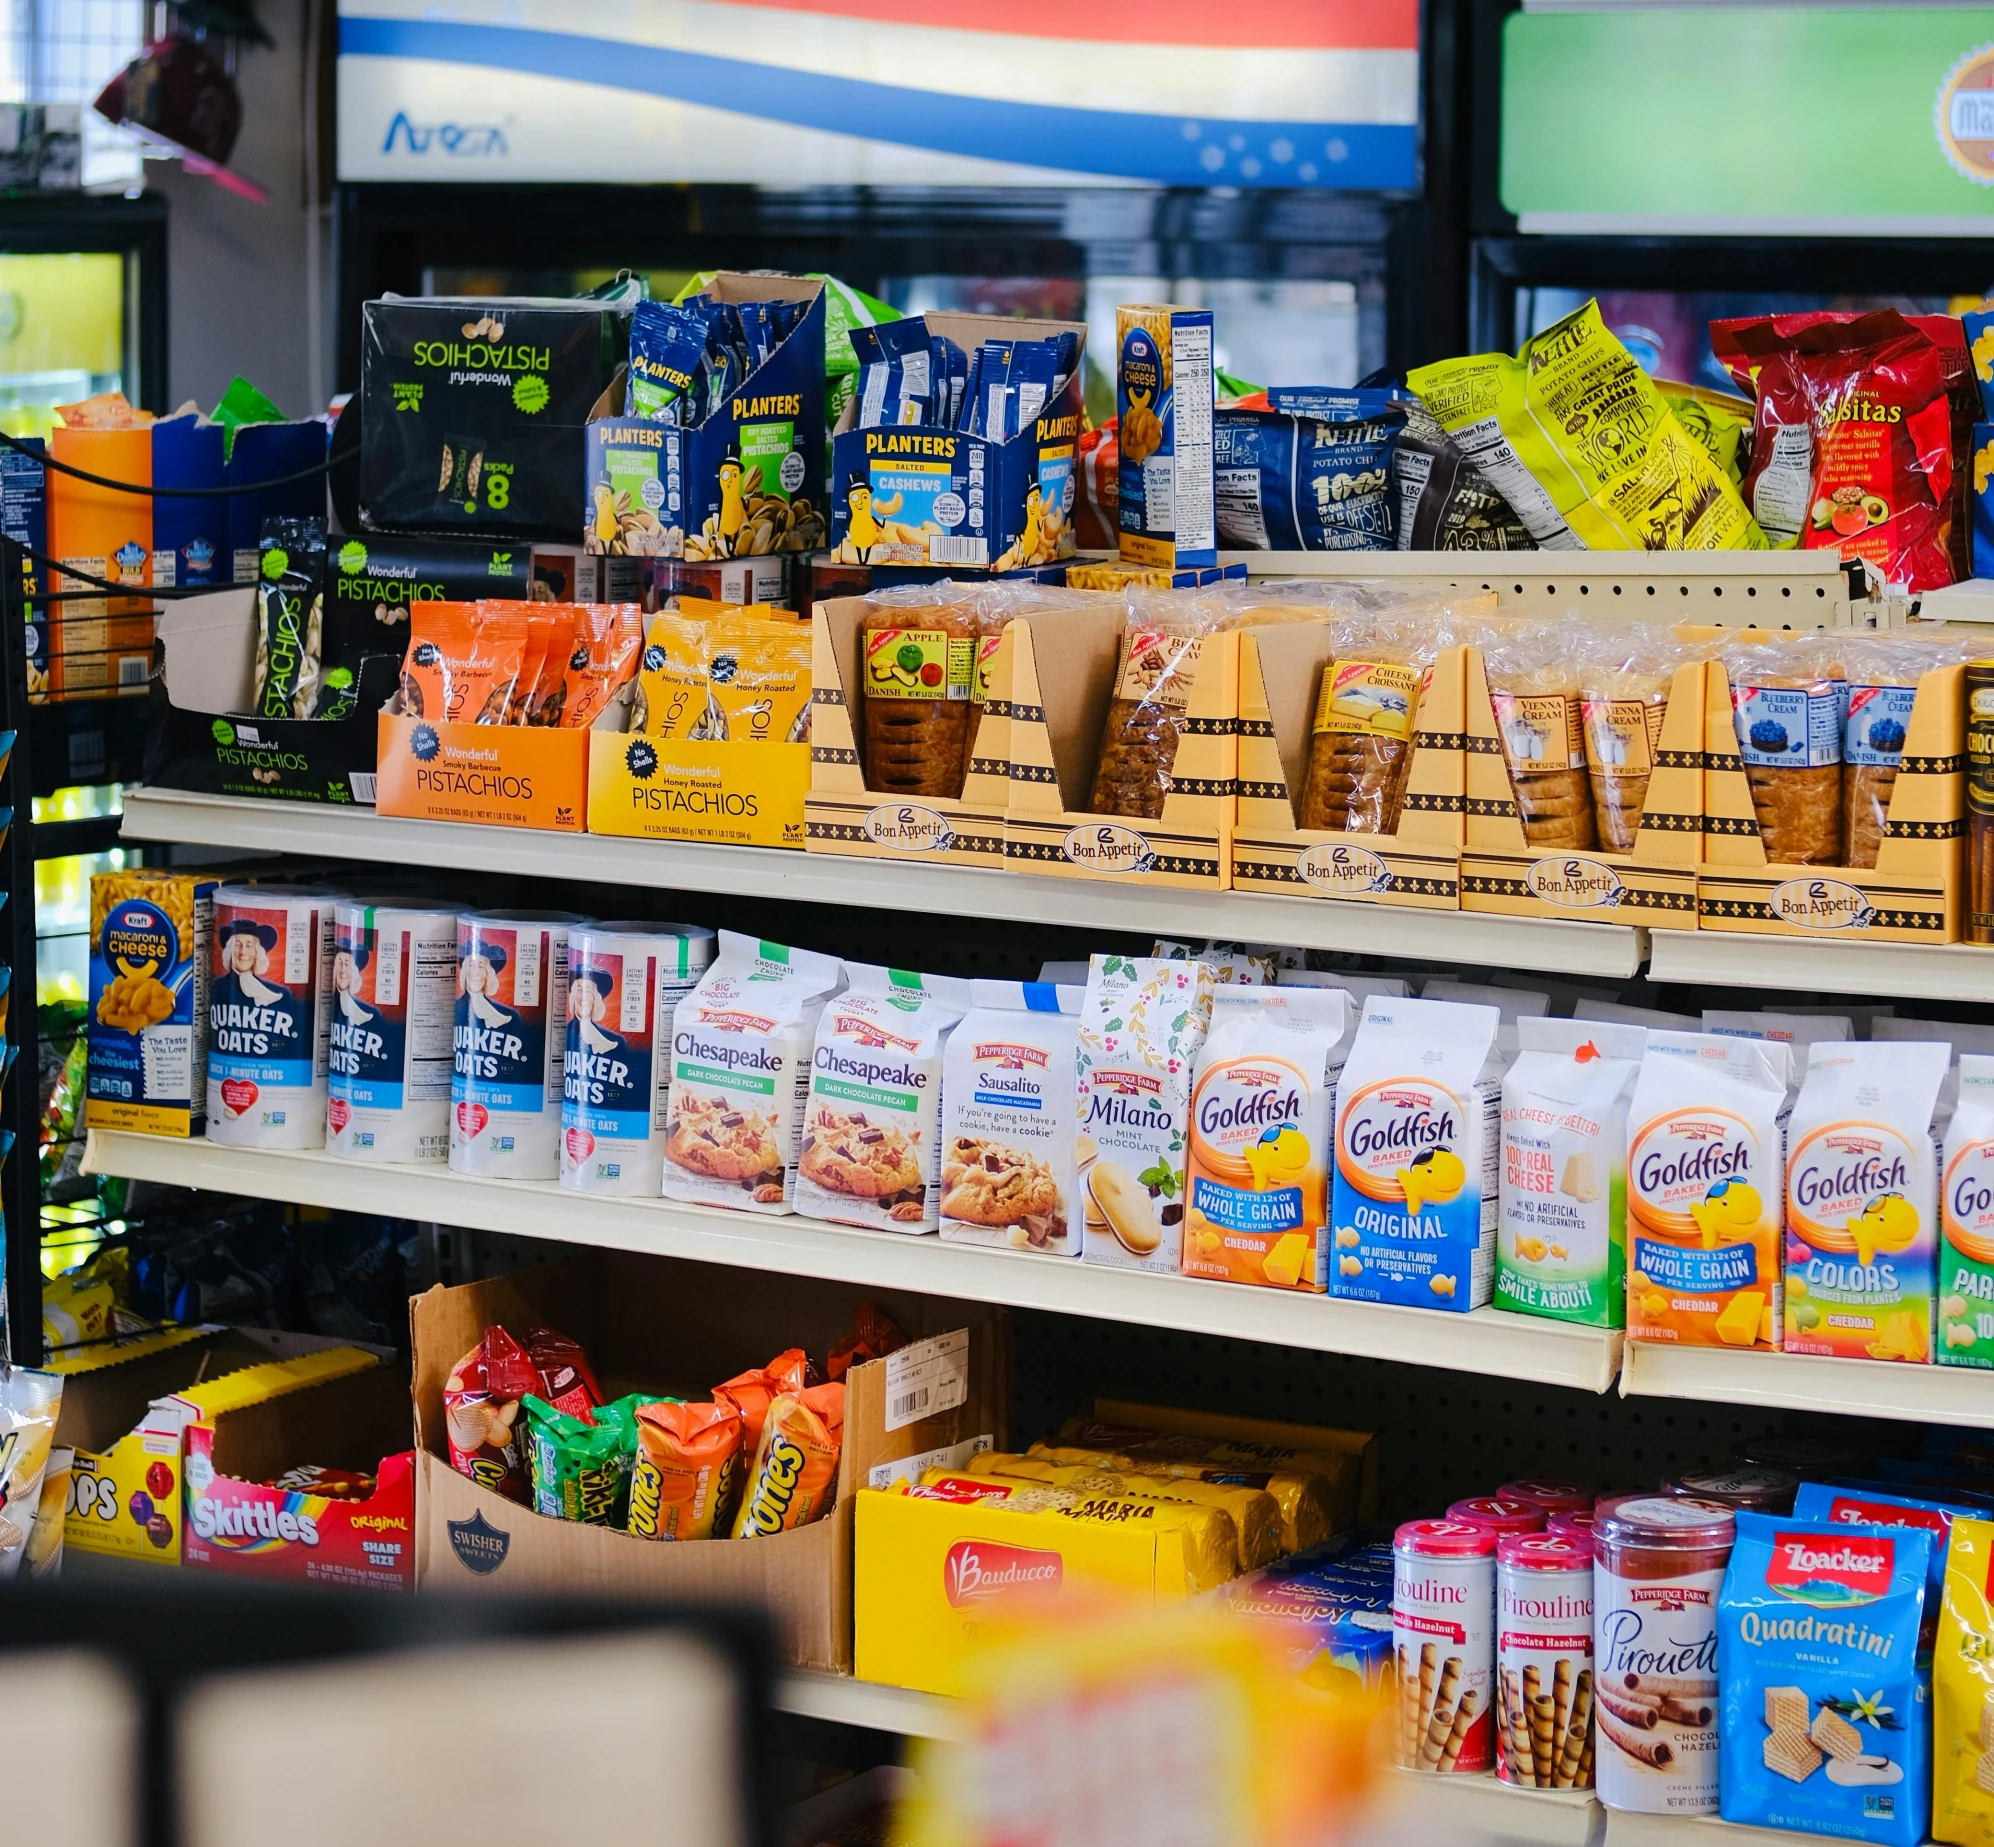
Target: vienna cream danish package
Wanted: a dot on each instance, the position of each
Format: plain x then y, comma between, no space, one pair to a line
1261,1124
1706,1191
1418,1121
872,1124
1561,1240
1862,1201
740,1074
1141,1026
1966,1228
1011,1167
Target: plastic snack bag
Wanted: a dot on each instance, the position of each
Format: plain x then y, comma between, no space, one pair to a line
1539,713
666,345
463,660
1963,1691
481,1411
1882,676
1366,719
290,618
688,1459
874,1335
1154,671
751,1393
1625,673
795,1471
1789,703
608,639
581,1466
1583,446
919,652
30,1403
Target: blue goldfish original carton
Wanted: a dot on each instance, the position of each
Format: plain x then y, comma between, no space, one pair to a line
1826,1716
1413,1197
150,937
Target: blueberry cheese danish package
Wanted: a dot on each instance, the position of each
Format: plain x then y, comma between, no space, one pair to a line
871,1152
1013,1158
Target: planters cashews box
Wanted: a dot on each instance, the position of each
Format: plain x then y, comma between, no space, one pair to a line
1418,1125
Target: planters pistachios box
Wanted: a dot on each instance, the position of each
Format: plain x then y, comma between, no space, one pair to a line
473,407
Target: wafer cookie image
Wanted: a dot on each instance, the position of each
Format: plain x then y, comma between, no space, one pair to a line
1787,1709
1835,1735
1792,1755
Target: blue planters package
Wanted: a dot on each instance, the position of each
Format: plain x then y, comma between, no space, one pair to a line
666,346
270,452
190,536
1826,1715
1312,474
986,481
1418,1120
743,474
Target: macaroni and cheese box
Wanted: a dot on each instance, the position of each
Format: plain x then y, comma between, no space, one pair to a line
1164,403
150,938
250,1508
127,1410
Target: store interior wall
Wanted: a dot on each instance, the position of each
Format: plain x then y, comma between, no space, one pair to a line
250,286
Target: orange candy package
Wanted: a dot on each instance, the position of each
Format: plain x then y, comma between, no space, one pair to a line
688,1459
795,1472
873,1338
752,1392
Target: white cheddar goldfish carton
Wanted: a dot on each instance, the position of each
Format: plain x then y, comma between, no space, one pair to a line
1966,1249
1561,1241
1011,1172
1417,1136
1706,1191
872,1127
1262,1111
1862,1201
1141,1026
741,1044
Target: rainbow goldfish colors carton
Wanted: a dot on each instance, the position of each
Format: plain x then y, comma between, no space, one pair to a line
1706,1190
1413,1204
1862,1201
1826,1722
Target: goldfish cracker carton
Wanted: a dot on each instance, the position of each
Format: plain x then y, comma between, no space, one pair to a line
1963,1691
151,936
1418,1122
1706,1191
1862,1204
1966,1223
1163,398
1262,1112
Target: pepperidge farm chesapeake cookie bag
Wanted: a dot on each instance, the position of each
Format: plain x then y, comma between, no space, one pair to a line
872,1125
741,1045
1418,1111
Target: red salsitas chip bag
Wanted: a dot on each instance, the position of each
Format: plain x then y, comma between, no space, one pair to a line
1853,436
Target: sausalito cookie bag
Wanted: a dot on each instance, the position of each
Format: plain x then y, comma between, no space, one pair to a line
1826,1728
1966,1222
1561,1238
872,1127
1963,1692
1141,1025
1706,1191
1862,1201
1261,1126
1418,1112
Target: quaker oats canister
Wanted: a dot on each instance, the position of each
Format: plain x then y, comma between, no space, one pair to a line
394,977
269,1010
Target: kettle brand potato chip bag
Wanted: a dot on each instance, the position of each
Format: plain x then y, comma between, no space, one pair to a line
1583,446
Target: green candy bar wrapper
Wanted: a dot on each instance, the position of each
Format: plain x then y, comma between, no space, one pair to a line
581,1470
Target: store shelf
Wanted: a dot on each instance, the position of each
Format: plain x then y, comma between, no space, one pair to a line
1802,1382
844,1701
1626,1830
1483,1808
1909,971
243,823
1509,1346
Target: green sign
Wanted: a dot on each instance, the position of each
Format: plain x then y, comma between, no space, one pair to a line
1856,120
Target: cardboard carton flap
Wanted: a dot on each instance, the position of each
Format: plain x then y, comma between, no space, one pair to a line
1074,653
349,1423
1292,657
210,644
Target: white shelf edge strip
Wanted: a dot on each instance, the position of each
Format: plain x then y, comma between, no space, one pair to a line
1425,1806
1910,971
1487,1341
844,1701
1805,1382
241,822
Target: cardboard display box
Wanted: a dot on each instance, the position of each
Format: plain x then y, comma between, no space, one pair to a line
660,1324
936,1580
127,1414
99,643
842,815
926,495
437,769
1912,895
238,1525
1655,884
1281,669
697,485
199,735
1062,683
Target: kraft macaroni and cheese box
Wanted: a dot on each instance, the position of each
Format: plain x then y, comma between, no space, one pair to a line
1826,1716
151,934
1164,406
1418,1129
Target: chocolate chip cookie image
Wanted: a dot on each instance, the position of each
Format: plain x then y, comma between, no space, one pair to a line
986,1183
846,1153
738,1146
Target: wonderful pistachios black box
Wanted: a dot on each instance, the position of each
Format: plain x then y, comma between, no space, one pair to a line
472,410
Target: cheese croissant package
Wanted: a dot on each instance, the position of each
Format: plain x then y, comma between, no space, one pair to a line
1706,1191
1561,1240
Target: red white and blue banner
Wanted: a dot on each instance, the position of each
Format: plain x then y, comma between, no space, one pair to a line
788,93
